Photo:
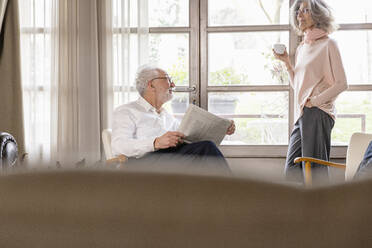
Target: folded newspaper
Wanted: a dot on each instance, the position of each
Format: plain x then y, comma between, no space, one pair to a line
198,125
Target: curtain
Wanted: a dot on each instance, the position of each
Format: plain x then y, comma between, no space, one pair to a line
3,4
71,69
130,44
75,119
35,21
105,34
11,111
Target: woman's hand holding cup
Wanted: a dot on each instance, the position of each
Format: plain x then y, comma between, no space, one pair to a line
280,52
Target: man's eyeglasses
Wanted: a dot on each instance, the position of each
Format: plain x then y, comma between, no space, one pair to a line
169,79
304,11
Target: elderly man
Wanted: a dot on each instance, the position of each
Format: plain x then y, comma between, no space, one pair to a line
145,131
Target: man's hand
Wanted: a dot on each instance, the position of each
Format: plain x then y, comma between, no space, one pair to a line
231,128
169,139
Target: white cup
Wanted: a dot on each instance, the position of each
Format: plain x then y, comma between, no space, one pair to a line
279,48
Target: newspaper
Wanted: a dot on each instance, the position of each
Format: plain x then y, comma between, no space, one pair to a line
199,125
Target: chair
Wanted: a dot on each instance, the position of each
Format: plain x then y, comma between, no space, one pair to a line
355,152
8,150
106,140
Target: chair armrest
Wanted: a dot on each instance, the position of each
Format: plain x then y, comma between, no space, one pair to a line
308,161
319,161
121,159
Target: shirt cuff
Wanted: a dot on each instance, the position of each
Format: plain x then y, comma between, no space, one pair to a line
145,146
150,145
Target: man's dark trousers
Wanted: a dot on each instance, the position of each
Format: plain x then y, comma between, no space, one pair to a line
201,154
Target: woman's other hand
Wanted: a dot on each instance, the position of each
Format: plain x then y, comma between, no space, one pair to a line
308,104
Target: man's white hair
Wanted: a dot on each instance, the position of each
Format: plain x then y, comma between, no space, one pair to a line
144,74
321,14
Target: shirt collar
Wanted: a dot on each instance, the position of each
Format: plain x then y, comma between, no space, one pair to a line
147,106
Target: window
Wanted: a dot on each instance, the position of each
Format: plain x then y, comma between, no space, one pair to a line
237,76
355,42
172,43
35,21
241,79
168,44
219,54
247,12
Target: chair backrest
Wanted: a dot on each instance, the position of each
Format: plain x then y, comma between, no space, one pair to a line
355,152
106,140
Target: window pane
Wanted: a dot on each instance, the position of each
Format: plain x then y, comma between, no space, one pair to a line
35,49
124,13
247,12
357,11
25,13
121,97
356,51
354,114
246,58
178,105
39,6
168,51
170,13
33,13
261,118
123,48
171,52
36,68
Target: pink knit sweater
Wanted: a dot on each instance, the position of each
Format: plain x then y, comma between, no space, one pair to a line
318,75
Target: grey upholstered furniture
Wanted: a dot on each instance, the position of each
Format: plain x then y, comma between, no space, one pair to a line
117,208
8,150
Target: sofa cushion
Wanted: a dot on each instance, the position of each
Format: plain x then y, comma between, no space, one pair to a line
102,208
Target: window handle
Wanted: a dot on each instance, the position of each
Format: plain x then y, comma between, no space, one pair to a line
185,89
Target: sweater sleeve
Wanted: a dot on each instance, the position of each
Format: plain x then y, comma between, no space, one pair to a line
337,75
290,71
291,77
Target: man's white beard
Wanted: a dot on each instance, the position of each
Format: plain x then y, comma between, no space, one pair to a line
170,96
165,98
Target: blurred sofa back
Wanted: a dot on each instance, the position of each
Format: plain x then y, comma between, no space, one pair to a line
107,208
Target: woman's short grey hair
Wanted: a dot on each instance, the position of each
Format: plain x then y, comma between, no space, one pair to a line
320,12
144,74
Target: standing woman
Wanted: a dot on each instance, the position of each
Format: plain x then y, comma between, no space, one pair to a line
317,78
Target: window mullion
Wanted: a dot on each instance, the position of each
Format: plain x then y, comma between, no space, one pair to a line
248,88
294,41
194,54
204,53
250,28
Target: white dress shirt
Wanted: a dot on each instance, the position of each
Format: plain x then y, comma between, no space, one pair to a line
135,127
